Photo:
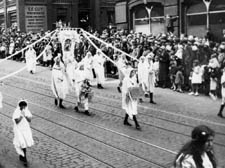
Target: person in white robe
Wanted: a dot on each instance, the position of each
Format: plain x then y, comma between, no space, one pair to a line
47,56
70,70
1,97
22,132
59,83
149,76
141,73
11,47
88,65
80,84
129,103
98,64
30,56
220,114
77,80
121,65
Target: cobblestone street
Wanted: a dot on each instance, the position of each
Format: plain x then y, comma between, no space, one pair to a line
64,138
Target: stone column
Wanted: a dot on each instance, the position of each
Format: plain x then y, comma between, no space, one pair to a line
20,5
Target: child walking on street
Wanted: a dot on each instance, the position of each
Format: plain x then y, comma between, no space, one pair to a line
22,132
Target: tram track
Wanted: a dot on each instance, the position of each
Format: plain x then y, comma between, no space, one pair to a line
104,111
112,106
95,139
70,146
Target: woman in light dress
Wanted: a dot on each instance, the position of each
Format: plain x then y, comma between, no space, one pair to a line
198,152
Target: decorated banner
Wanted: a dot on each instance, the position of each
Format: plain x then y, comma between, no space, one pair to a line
68,38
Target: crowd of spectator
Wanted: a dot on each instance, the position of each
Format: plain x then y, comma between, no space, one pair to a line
185,63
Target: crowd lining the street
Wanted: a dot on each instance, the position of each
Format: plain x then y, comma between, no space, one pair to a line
183,64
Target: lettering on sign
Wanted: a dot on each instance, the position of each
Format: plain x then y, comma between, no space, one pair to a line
36,18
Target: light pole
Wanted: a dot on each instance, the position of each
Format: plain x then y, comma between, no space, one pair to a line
149,10
207,4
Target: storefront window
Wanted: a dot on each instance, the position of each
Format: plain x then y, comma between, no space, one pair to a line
197,20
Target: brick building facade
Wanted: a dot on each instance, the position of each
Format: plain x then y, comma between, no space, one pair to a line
183,16
34,15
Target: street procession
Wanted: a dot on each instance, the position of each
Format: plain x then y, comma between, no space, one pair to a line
112,84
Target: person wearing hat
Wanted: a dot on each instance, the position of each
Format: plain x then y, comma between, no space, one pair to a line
59,83
22,132
164,62
198,152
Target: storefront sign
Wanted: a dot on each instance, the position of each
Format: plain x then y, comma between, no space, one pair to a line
36,18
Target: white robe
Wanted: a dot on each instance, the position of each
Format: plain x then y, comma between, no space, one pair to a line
11,48
30,57
22,132
47,56
223,88
59,83
70,70
141,74
121,68
67,56
98,64
149,76
129,106
88,65
1,100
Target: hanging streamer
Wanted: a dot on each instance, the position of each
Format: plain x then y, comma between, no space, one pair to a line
92,43
21,69
17,52
109,45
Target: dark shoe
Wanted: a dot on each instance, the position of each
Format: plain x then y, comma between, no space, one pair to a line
56,102
99,86
146,95
25,164
152,102
221,111
127,123
21,158
60,104
138,127
220,115
76,109
119,90
87,113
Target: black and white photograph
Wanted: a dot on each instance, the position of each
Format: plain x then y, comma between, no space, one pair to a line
112,83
